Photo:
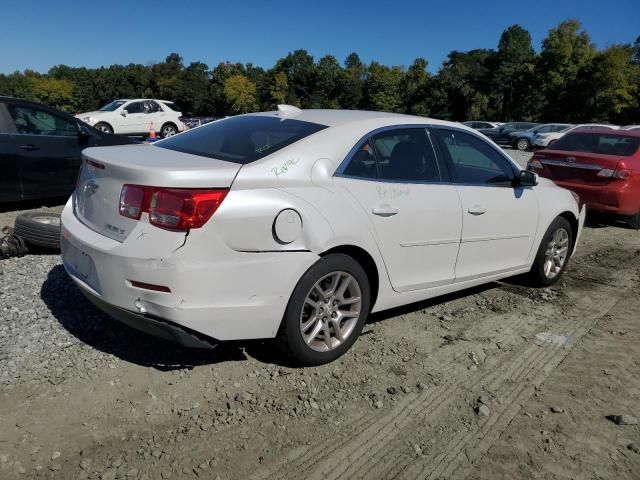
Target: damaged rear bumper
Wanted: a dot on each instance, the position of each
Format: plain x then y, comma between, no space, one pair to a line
211,289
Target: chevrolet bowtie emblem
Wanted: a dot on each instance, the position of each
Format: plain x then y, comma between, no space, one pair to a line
91,187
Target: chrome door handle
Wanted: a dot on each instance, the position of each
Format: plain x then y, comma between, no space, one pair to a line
477,210
385,211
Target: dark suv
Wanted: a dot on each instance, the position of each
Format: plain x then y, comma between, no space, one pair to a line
502,134
40,150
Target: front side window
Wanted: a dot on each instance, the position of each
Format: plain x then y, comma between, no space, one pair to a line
606,144
473,161
242,139
134,107
32,121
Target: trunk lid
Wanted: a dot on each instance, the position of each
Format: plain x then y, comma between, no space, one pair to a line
106,169
576,167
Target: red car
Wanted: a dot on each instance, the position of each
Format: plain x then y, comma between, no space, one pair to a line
602,166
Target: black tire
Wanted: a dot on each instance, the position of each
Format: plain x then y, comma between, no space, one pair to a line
290,331
634,221
41,229
104,127
522,144
537,276
168,130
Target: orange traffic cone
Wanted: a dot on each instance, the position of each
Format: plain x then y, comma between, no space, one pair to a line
152,133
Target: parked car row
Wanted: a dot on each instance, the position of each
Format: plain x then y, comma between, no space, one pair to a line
529,135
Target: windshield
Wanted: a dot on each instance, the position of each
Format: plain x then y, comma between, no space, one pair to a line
243,139
110,107
605,144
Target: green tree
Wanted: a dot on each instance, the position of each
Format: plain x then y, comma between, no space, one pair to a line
329,82
382,88
566,51
514,71
57,93
415,89
353,82
278,89
301,75
240,93
194,89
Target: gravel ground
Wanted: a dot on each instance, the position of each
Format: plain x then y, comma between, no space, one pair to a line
500,381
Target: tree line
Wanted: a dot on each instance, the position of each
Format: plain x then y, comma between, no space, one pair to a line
568,81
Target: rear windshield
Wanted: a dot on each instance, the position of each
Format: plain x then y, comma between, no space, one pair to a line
242,139
597,143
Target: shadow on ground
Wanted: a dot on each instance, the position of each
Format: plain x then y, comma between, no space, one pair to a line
92,327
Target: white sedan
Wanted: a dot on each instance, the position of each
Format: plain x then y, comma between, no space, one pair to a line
297,224
136,117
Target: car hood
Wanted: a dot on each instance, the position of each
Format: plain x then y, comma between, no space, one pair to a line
95,113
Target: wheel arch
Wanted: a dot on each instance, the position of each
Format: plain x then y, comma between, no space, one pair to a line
573,221
169,123
365,260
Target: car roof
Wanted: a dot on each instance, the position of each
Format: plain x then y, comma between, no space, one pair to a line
335,118
608,131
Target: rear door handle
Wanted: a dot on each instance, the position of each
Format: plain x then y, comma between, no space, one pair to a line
477,210
29,147
385,211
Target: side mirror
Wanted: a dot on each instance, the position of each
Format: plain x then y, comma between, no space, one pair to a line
83,130
526,179
123,113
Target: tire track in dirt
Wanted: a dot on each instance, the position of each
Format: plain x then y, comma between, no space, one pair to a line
458,453
365,426
370,437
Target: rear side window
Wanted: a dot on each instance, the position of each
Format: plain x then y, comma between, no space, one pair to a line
597,143
172,106
473,160
242,139
403,155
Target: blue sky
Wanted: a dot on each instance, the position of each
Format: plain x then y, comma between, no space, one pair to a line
39,34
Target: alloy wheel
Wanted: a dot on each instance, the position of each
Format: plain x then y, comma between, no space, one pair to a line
556,254
330,311
522,144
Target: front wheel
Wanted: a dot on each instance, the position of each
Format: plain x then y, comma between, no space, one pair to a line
553,254
104,127
522,144
327,310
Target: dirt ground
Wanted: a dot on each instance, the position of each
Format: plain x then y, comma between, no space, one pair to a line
497,382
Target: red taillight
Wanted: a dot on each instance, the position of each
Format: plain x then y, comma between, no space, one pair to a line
171,208
150,286
132,201
619,174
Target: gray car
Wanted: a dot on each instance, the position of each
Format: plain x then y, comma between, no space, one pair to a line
524,139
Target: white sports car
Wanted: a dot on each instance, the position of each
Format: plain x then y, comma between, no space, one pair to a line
297,224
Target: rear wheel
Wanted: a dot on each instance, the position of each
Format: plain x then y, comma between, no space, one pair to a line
168,130
104,127
553,254
522,144
326,311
